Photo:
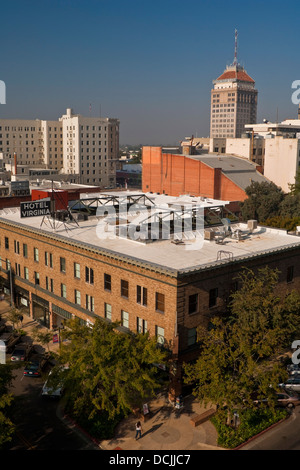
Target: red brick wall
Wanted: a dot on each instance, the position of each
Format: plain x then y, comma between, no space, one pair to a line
176,174
230,191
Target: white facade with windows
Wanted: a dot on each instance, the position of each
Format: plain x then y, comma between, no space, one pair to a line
74,144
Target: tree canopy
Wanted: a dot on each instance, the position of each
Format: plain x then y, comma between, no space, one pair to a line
109,370
239,354
262,202
268,204
6,425
295,187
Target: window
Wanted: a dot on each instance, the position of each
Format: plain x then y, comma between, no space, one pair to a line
234,287
36,254
290,274
192,336
89,303
25,250
107,282
36,278
77,297
125,319
193,303
141,295
77,270
160,334
213,295
107,311
49,284
26,273
160,302
6,243
62,265
89,275
17,269
48,259
124,288
17,247
63,291
141,325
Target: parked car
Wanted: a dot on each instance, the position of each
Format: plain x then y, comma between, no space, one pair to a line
51,390
287,400
293,383
2,326
293,369
284,399
35,367
10,340
21,352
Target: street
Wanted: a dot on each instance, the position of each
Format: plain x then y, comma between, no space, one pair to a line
37,419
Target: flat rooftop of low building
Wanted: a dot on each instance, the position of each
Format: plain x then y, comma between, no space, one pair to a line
154,198
48,185
187,254
238,169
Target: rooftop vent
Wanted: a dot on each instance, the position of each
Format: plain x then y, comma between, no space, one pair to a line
252,224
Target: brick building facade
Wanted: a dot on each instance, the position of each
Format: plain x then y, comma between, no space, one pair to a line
221,177
161,287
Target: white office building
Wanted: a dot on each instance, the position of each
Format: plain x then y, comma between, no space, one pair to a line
74,144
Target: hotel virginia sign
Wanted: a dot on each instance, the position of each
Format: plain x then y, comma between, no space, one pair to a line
35,208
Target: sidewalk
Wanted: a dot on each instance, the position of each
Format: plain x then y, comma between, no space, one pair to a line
28,325
166,429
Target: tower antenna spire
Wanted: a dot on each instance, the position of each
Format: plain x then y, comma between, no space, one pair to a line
235,62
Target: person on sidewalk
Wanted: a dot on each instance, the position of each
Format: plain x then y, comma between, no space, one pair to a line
138,429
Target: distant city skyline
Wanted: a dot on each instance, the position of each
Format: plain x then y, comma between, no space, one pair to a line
148,64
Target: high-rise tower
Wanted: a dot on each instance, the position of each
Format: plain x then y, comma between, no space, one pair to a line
233,101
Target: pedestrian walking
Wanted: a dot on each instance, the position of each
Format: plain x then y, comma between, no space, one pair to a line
138,429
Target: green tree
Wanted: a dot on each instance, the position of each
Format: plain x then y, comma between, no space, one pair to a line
262,202
286,223
6,425
239,354
295,187
43,337
290,206
14,316
108,370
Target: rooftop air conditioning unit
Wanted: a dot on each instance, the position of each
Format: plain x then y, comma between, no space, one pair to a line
252,224
209,235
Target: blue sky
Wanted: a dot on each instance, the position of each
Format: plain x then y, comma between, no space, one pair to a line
148,63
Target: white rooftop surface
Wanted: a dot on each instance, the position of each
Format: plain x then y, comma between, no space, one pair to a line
190,255
158,199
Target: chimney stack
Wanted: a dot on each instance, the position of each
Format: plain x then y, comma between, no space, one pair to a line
15,160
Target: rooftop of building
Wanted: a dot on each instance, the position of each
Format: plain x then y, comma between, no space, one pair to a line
288,125
235,72
189,253
48,185
239,170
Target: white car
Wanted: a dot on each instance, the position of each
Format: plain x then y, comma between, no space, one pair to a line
50,391
293,369
292,383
